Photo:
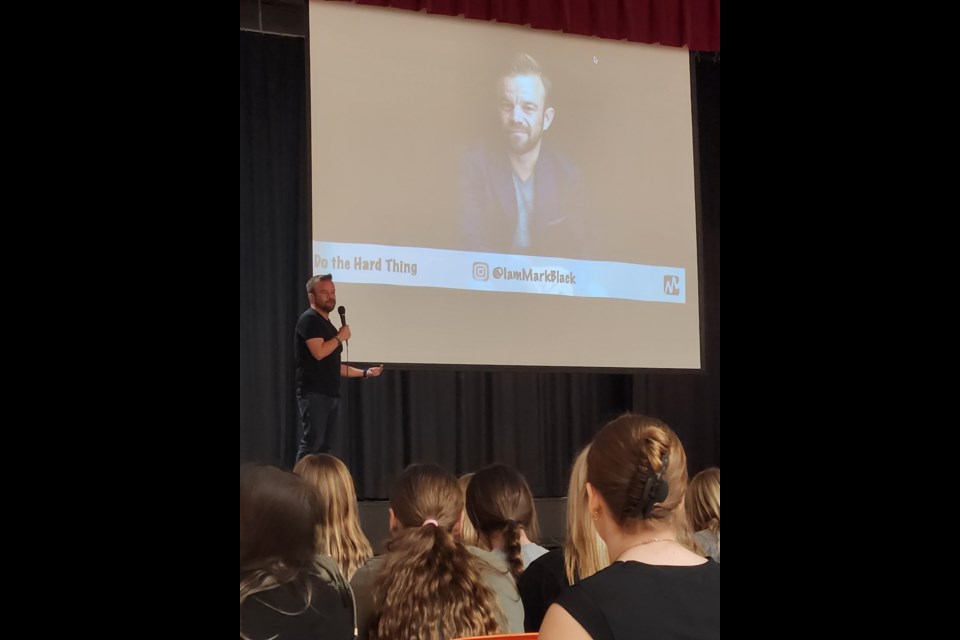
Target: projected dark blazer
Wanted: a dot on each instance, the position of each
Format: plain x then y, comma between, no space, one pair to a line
489,205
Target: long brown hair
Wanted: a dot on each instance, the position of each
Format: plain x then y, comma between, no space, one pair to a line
499,500
430,586
278,518
338,534
584,551
630,462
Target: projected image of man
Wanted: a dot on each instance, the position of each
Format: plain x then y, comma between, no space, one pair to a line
518,196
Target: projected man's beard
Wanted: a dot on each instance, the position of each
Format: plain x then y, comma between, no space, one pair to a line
522,138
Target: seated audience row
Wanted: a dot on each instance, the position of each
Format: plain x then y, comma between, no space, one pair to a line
307,569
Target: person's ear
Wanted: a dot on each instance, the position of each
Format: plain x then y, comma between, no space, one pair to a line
547,118
394,523
593,501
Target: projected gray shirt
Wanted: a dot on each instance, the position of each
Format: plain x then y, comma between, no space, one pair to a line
525,204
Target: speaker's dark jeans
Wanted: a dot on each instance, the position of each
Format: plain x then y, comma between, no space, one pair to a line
319,417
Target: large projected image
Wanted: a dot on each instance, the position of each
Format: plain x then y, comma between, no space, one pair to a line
516,195
524,169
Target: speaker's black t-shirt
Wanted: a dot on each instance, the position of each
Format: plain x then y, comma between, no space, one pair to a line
316,376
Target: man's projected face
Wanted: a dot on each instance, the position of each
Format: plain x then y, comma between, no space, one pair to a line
522,113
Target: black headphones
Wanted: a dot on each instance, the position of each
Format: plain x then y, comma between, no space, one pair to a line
656,489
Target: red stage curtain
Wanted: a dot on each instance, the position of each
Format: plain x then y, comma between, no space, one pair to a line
694,24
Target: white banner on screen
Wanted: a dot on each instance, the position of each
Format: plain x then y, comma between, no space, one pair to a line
472,271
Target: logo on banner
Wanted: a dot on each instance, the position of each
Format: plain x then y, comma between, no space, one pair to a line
671,285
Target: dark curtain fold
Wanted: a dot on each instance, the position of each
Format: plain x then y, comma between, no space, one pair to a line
465,420
535,421
274,238
694,24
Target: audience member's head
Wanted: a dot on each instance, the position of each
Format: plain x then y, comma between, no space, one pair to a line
278,522
338,534
639,468
703,510
500,506
430,585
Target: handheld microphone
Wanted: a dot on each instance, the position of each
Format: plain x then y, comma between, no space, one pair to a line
342,310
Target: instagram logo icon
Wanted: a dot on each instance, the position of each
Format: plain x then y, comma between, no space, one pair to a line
481,271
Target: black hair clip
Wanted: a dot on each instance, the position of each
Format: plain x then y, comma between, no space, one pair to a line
656,490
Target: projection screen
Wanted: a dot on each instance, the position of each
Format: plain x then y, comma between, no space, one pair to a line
493,195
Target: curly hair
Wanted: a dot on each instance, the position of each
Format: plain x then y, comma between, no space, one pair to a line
430,585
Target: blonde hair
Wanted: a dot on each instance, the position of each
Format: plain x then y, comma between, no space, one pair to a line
584,552
338,533
430,586
703,502
468,535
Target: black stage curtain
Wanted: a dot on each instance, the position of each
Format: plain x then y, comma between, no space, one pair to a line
534,421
